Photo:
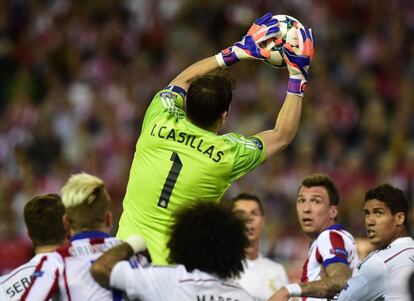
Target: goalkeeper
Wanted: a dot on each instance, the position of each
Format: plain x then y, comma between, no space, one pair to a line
179,156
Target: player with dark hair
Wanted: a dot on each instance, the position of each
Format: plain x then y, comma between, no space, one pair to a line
384,274
261,276
332,257
43,216
207,243
180,158
65,272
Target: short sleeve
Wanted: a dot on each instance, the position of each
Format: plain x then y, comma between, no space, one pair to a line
133,279
332,248
168,101
248,154
368,283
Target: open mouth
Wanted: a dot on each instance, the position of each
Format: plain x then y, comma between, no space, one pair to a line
250,230
306,221
370,233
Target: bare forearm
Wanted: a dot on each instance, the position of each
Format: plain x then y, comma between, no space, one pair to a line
323,288
200,68
332,282
286,126
287,121
102,268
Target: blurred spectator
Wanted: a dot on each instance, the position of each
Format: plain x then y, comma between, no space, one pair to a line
76,77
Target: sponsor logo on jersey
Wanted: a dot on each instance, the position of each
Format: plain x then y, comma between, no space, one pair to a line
167,95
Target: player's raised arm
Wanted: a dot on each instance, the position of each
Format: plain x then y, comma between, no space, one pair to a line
298,62
247,49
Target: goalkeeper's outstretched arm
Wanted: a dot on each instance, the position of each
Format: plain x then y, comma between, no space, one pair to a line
298,62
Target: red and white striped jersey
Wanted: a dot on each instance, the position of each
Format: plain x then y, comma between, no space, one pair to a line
15,283
173,283
384,274
332,245
66,271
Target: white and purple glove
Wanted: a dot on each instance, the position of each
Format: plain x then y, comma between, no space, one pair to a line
248,48
298,61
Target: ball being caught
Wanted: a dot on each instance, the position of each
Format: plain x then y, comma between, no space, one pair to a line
289,28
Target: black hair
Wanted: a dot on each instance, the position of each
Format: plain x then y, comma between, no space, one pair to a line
325,181
392,197
208,98
246,196
210,238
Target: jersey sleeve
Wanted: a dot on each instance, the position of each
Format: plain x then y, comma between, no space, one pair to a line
331,248
45,279
132,279
168,101
248,154
368,283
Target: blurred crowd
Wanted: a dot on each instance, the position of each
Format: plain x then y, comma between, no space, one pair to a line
76,78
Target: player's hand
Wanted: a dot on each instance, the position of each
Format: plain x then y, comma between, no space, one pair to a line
264,28
248,48
298,61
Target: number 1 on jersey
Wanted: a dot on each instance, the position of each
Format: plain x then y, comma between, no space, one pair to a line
170,181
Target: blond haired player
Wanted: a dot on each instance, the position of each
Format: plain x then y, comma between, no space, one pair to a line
65,273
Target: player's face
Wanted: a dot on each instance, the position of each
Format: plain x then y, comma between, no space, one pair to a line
255,219
381,225
314,211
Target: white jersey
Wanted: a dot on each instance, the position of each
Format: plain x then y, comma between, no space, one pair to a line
262,277
333,245
384,274
3,296
15,283
166,283
66,271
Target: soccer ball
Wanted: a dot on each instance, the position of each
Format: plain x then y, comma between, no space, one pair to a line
289,27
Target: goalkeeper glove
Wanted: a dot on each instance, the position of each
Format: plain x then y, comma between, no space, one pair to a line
298,61
247,49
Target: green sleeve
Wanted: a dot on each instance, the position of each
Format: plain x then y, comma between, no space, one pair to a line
169,101
248,154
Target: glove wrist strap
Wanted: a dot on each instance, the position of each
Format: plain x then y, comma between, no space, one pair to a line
226,58
296,85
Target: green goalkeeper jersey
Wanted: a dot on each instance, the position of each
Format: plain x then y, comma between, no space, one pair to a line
175,164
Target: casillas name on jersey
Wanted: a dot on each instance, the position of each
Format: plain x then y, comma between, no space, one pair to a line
193,141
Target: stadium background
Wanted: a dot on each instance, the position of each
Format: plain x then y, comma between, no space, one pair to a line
77,76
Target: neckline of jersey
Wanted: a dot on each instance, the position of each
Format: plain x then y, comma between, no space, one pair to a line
89,234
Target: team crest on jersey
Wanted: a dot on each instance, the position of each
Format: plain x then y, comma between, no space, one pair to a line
258,143
339,252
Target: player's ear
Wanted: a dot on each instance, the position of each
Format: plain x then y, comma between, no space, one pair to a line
223,116
333,212
109,220
66,224
400,218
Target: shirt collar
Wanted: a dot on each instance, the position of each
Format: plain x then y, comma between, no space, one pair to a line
402,240
89,234
336,227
